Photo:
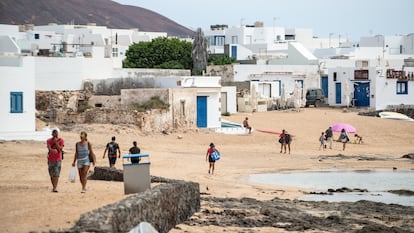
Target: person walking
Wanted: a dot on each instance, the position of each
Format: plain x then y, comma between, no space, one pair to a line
288,140
133,151
246,125
83,154
282,140
113,151
322,141
209,158
328,136
343,137
55,146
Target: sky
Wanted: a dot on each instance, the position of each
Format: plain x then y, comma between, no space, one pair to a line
346,18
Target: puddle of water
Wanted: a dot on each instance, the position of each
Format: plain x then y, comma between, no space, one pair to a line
376,182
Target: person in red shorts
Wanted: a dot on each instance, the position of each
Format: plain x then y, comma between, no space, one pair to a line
55,146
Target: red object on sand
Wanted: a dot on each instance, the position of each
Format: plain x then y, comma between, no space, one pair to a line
271,132
268,131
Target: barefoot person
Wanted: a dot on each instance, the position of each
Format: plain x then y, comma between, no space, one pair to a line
288,140
246,124
343,137
55,146
322,141
82,152
209,158
328,136
282,141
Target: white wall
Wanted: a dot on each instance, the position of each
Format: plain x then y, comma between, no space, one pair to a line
68,73
19,78
231,98
386,90
213,106
309,73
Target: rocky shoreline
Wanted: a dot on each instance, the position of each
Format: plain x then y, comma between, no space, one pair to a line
249,215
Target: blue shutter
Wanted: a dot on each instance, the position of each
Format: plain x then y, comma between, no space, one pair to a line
16,102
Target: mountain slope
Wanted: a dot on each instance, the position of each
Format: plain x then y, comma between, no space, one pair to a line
102,12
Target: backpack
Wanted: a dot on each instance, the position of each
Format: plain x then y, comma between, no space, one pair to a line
215,155
112,146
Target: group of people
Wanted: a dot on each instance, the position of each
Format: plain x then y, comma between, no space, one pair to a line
84,156
326,139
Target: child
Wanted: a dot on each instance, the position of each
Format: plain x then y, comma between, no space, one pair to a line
322,141
358,139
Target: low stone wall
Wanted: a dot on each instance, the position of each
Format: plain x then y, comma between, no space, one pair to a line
164,206
404,109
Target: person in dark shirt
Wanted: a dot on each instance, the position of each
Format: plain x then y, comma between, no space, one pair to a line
134,150
328,136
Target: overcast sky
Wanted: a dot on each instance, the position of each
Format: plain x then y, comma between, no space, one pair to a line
352,18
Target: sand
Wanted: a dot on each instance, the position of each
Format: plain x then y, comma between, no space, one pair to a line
29,205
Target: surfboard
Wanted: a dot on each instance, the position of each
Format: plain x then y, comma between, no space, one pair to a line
395,116
267,131
271,132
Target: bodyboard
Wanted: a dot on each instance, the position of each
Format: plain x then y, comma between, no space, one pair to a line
215,155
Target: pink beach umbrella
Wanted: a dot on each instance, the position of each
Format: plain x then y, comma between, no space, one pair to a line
337,127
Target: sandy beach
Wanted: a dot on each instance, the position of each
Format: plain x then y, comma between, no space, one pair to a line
29,205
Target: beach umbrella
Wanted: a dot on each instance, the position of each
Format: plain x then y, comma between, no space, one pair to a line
337,127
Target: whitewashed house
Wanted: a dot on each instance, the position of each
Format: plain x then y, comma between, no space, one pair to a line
371,86
376,75
17,99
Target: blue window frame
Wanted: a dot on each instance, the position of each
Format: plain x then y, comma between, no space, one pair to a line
402,87
16,102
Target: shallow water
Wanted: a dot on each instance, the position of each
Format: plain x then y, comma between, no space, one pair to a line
377,183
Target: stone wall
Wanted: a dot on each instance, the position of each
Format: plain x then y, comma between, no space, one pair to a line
78,107
404,109
224,71
164,206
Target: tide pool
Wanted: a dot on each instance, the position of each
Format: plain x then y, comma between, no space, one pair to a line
377,182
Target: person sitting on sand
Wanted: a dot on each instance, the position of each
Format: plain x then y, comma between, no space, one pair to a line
358,139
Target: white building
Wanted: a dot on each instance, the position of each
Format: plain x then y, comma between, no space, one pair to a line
17,98
366,84
256,41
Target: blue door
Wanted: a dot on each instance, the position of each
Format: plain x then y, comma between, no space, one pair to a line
234,52
361,94
201,111
338,93
324,83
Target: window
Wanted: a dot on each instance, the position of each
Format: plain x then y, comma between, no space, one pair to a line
36,36
361,74
234,40
334,76
219,40
16,102
402,87
114,52
182,108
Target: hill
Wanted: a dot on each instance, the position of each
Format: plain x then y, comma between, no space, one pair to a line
102,12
